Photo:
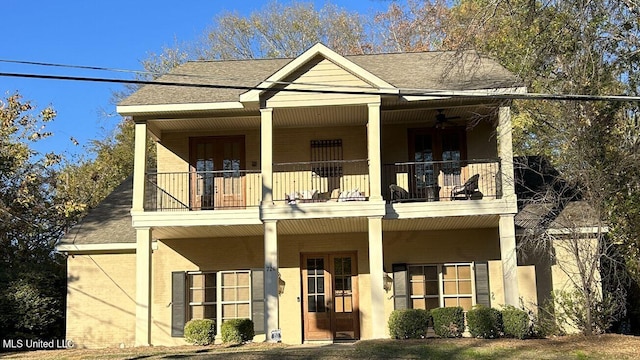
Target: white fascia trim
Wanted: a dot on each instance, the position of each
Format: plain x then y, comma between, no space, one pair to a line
130,110
567,231
444,94
317,49
580,230
78,248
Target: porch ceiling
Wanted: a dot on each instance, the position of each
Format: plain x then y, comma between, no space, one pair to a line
422,114
192,232
206,123
392,112
442,223
327,226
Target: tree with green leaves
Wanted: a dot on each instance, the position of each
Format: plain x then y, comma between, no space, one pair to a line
572,47
32,275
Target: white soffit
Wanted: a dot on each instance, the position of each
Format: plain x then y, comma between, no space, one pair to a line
132,110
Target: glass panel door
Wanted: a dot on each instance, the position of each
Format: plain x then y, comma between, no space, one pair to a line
217,179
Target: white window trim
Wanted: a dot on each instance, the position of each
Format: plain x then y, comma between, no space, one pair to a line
199,303
220,300
441,296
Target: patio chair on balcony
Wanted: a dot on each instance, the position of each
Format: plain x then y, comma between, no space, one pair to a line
398,194
468,191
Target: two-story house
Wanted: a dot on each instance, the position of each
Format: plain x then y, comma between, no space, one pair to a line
313,195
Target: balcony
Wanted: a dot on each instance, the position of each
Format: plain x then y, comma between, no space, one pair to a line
321,181
441,180
202,190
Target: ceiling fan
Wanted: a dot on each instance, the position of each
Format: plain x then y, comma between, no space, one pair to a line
442,119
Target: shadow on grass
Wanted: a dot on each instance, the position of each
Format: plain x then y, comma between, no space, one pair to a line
444,349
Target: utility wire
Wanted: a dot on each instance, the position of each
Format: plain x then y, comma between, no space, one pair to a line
482,93
486,93
177,74
85,67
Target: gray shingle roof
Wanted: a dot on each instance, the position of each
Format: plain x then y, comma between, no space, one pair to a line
107,223
420,70
575,214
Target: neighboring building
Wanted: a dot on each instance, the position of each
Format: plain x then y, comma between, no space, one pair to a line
313,195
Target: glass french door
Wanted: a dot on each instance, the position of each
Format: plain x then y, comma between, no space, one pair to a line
216,176
330,296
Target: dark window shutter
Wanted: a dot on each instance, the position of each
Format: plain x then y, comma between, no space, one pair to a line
482,284
400,287
257,300
178,302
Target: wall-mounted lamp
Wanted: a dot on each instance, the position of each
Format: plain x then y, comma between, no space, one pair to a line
281,285
387,281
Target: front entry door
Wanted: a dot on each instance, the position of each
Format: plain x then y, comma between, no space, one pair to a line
217,180
330,296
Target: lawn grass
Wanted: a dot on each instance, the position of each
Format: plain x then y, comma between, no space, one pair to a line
568,347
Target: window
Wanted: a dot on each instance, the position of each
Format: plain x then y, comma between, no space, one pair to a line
326,163
235,289
202,295
218,296
441,285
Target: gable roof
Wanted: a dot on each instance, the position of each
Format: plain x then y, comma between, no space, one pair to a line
435,70
109,222
563,209
314,51
573,216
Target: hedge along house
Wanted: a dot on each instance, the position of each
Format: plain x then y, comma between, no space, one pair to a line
313,195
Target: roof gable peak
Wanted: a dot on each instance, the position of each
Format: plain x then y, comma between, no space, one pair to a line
316,50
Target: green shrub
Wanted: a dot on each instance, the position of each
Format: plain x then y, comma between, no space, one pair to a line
200,331
448,322
484,322
237,331
544,321
515,322
408,324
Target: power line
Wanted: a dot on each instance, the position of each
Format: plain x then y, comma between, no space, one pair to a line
69,66
152,74
484,93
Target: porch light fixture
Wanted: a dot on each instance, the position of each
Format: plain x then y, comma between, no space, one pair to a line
281,285
387,281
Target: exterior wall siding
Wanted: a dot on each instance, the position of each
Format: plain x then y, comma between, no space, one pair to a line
104,315
195,255
451,246
324,75
101,300
213,255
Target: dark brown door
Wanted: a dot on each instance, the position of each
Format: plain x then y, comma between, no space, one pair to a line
217,177
330,296
439,156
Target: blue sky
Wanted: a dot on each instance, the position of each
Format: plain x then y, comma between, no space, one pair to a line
111,34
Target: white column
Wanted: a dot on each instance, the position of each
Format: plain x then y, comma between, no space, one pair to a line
139,166
374,152
143,287
509,259
505,151
271,307
266,155
376,272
